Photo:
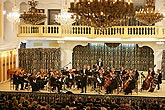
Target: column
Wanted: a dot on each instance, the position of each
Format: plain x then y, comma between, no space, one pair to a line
158,58
1,21
5,71
1,67
66,58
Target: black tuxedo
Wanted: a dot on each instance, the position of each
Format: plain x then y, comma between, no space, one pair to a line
123,72
83,83
160,78
84,71
152,73
136,75
100,64
16,81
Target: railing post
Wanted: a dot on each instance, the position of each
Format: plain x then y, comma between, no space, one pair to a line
40,30
160,31
92,32
60,30
126,31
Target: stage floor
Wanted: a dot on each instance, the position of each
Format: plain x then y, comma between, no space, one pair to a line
157,93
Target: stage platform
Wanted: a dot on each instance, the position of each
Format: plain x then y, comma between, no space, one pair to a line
157,93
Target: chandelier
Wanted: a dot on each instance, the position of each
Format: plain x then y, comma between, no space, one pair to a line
101,13
32,16
14,15
64,18
149,15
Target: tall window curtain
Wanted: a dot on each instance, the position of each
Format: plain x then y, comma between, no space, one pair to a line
127,55
34,59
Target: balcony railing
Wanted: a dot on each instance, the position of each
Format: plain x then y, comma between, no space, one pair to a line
85,31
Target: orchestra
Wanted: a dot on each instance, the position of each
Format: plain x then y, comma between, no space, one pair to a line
97,78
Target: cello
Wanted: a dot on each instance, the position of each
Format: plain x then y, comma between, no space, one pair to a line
146,82
108,81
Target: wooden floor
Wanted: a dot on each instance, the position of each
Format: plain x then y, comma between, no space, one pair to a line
157,93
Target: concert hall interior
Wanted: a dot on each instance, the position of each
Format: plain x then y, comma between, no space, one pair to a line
74,50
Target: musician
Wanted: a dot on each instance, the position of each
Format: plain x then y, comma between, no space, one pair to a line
77,77
59,80
84,70
77,71
16,80
33,83
89,71
21,80
100,79
136,74
151,72
89,75
159,78
66,69
54,81
100,63
129,84
40,80
83,83
113,85
49,72
123,71
70,79
108,69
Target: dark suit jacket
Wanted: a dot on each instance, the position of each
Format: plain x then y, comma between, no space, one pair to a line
15,79
86,71
160,78
152,73
101,65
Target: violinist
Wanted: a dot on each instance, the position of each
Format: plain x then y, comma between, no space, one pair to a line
100,79
129,85
21,79
16,80
33,83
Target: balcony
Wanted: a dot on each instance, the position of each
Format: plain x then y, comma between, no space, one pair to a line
57,31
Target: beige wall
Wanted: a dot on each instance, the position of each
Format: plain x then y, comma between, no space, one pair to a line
1,13
7,61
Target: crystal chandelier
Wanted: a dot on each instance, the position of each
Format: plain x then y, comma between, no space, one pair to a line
101,13
64,18
14,15
32,16
148,15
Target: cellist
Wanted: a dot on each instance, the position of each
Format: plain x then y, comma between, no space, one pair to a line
129,85
111,82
